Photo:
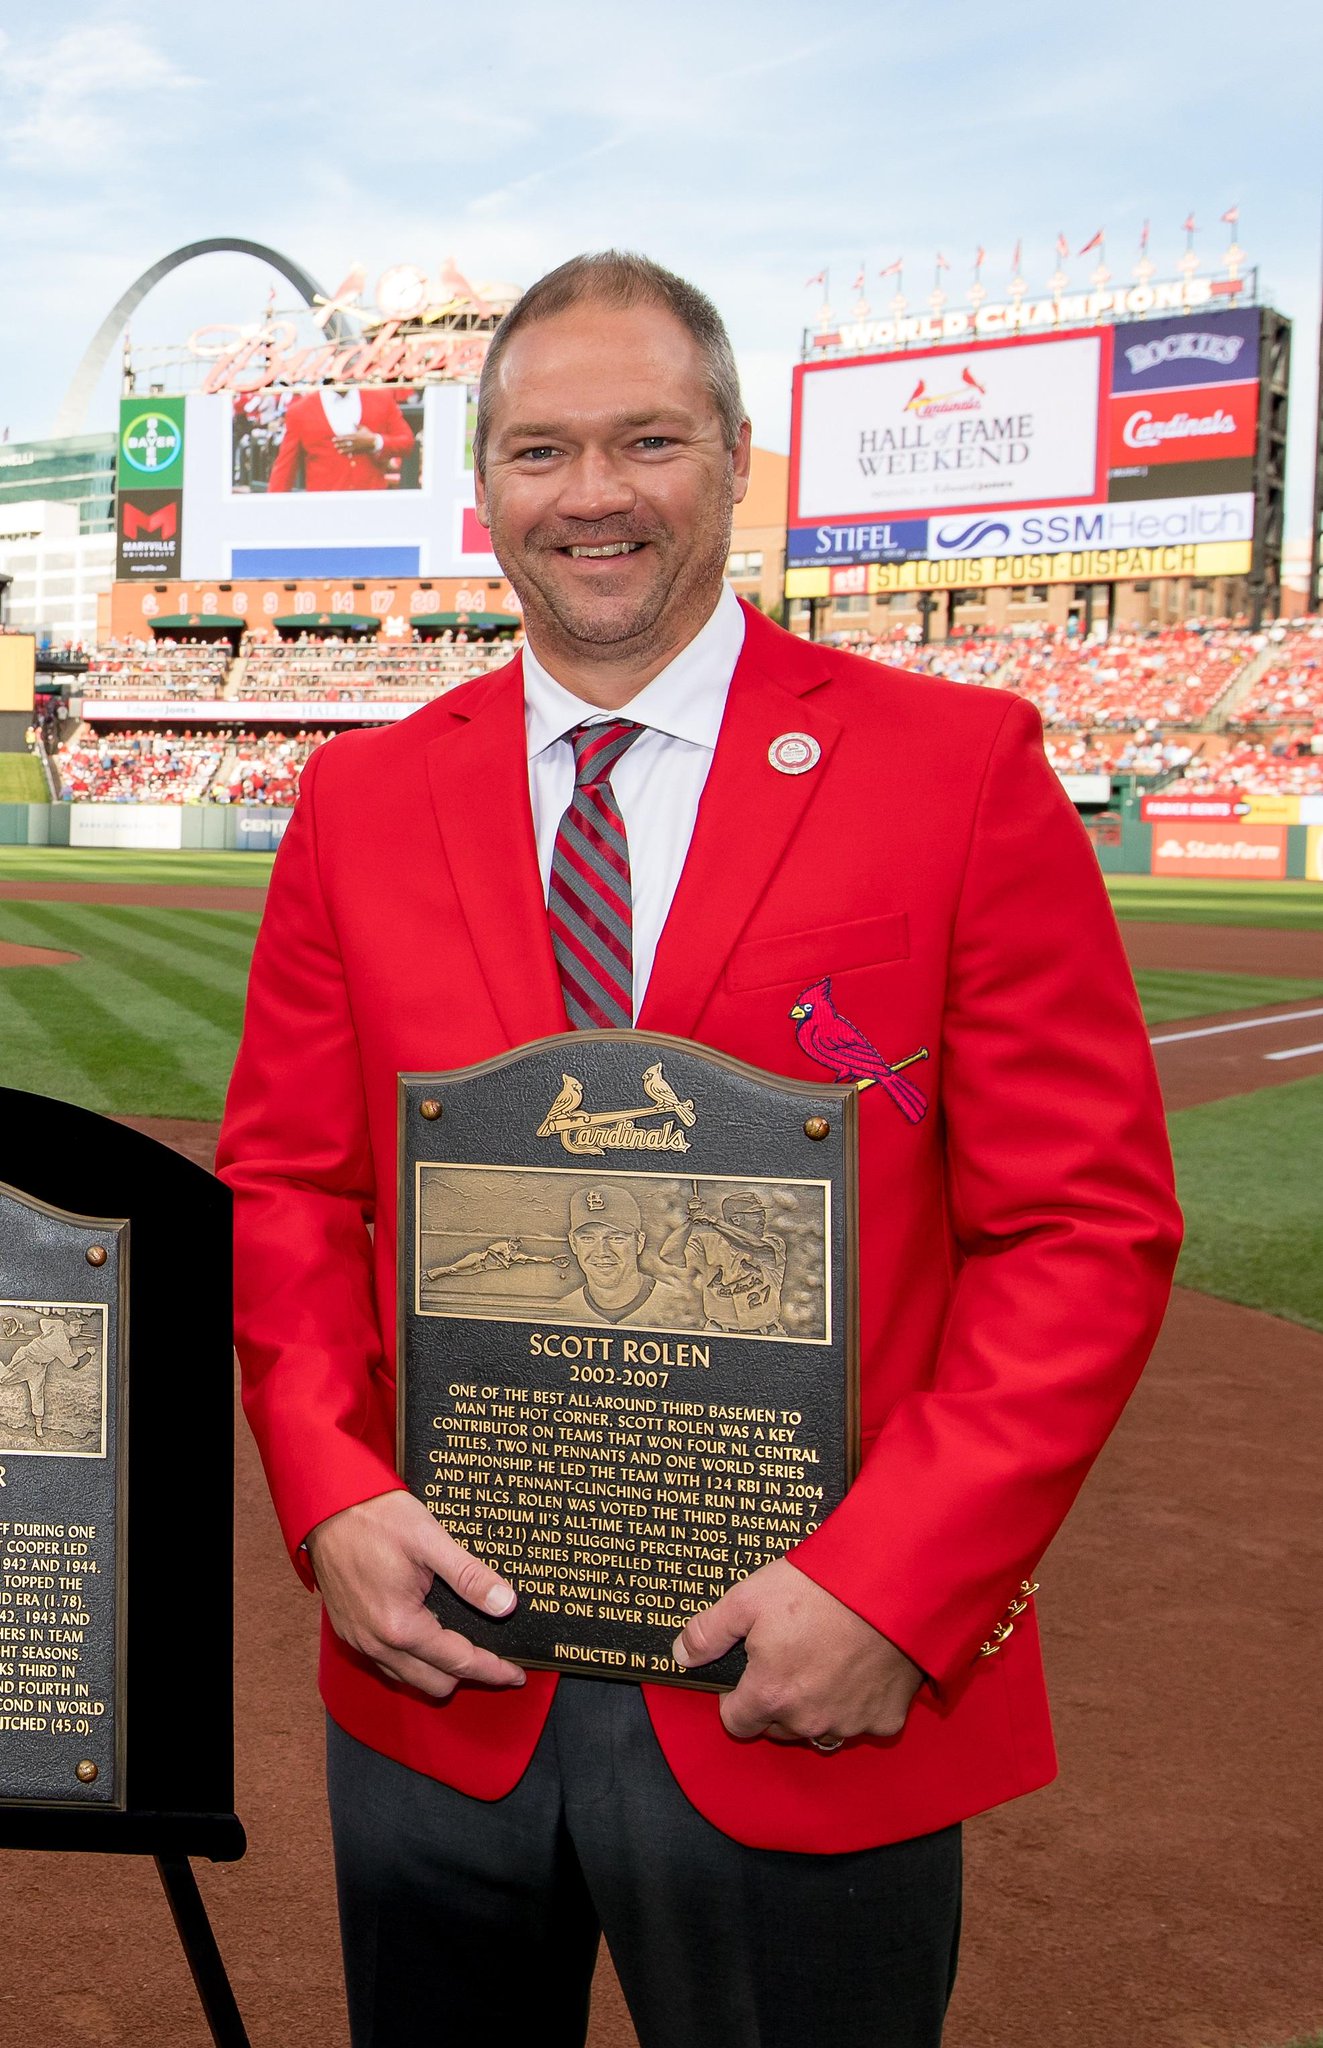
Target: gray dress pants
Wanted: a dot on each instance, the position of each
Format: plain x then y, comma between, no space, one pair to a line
467,1921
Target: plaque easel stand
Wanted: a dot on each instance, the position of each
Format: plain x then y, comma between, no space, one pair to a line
153,1287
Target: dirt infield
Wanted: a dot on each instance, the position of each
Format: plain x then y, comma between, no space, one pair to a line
12,955
1223,948
1205,1059
152,895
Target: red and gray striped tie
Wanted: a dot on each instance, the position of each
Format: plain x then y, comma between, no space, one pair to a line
589,902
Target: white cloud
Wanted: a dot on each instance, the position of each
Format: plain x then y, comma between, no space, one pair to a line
70,103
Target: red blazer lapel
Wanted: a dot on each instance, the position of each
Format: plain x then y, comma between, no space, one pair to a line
478,777
748,816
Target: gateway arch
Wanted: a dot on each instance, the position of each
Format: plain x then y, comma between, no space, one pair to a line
73,410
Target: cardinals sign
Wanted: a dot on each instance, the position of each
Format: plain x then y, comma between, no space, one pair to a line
629,1381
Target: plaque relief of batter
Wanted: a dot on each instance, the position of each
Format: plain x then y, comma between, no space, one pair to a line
649,1251
736,1262
49,1398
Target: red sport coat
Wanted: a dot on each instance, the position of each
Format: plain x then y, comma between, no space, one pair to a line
1017,1243
308,433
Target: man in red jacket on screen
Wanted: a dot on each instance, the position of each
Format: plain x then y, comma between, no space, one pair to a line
345,437
800,859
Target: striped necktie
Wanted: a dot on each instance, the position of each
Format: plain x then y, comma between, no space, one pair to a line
589,903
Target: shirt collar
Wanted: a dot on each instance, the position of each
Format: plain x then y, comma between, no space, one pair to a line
686,699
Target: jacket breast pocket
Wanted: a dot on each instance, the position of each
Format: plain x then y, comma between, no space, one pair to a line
826,949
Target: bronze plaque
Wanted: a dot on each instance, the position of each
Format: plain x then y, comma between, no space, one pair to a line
62,1377
627,1343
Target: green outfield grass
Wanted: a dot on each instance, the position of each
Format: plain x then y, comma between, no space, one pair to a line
21,780
112,864
1247,1171
1180,993
1275,906
145,1024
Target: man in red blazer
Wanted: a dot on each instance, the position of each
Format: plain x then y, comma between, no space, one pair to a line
780,1863
347,435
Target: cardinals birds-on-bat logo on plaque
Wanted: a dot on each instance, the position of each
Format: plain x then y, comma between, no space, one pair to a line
832,1041
616,1130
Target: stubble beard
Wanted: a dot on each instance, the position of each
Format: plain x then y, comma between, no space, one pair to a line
596,621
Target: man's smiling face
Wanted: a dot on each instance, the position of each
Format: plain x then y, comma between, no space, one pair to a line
608,485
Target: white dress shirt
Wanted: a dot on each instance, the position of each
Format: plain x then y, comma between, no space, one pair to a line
344,410
658,783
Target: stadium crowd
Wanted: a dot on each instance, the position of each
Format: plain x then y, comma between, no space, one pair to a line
1141,705
154,669
229,767
339,671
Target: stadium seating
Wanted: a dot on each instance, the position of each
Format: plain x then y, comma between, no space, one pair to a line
1130,682
336,671
183,768
160,668
1128,705
137,767
1290,689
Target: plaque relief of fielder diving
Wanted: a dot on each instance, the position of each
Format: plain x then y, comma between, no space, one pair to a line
627,1333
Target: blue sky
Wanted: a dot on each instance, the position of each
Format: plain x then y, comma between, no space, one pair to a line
746,145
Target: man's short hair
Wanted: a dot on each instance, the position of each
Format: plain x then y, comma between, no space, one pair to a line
615,277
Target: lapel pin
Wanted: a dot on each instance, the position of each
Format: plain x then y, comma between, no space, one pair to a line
794,753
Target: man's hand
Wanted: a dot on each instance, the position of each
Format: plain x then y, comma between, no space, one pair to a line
816,1671
375,1564
358,441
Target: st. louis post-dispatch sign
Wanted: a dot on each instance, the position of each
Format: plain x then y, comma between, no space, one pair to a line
987,572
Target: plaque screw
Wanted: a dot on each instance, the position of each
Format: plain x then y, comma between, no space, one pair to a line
86,1773
431,1109
96,1255
816,1127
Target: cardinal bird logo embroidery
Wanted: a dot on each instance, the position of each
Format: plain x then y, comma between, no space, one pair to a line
832,1041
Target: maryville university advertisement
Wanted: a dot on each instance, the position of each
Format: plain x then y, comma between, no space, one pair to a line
149,488
1007,424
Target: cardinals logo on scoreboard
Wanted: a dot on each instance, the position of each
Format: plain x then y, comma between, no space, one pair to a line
832,1041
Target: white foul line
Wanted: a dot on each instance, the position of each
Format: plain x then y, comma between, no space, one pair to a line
1246,1024
1297,1052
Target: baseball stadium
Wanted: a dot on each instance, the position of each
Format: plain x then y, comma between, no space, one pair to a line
265,590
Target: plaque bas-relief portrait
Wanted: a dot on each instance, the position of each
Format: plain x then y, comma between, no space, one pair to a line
726,1255
53,1378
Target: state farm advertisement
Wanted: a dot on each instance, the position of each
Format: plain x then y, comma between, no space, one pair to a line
1184,426
969,429
1220,849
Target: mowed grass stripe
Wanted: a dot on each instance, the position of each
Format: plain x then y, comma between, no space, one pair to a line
198,989
224,937
1167,994
134,1074
130,1029
1247,1176
1273,906
193,870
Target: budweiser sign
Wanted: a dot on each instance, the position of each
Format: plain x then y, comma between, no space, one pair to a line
247,361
